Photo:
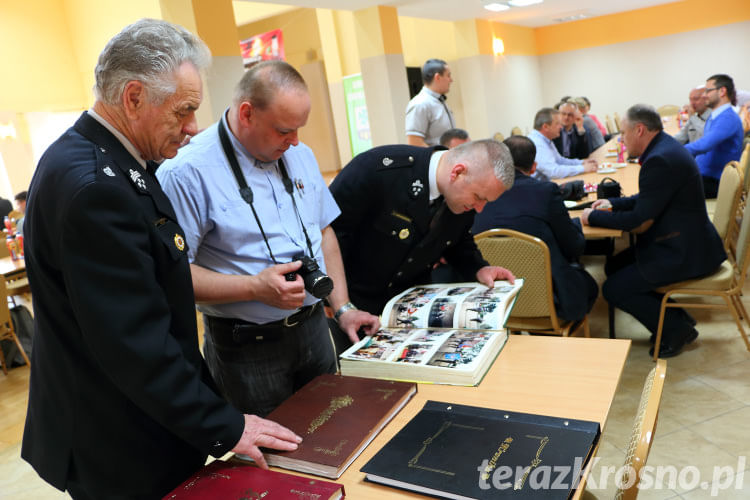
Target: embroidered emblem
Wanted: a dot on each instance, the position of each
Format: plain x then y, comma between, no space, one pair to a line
387,161
137,179
108,171
403,234
179,242
416,187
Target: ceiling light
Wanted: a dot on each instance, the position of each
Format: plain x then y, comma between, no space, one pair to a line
495,6
523,3
573,17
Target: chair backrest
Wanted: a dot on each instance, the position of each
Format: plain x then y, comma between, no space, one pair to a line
618,124
644,427
6,325
745,166
498,137
516,131
526,257
742,253
610,125
727,199
668,110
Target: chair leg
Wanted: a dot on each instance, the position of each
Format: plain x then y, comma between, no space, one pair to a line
611,311
2,362
737,320
660,327
586,329
26,358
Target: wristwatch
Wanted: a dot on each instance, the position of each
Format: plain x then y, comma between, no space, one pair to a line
346,307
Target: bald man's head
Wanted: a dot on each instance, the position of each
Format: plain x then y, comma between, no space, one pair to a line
698,99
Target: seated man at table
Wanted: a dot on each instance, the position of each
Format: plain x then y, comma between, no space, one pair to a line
722,135
693,129
573,142
675,239
550,164
536,207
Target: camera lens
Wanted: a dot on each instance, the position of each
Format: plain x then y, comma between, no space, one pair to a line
320,286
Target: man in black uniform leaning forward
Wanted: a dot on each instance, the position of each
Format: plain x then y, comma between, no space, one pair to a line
404,207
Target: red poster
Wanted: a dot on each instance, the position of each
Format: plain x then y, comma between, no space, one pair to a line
264,47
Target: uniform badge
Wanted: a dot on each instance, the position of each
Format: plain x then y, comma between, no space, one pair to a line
387,161
403,234
300,185
137,179
416,187
179,242
108,171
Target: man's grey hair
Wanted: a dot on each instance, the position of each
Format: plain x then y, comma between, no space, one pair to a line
645,114
149,51
262,81
544,115
485,153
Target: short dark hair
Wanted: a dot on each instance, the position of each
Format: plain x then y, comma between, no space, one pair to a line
453,133
722,80
544,115
431,68
522,150
645,114
565,98
586,100
21,196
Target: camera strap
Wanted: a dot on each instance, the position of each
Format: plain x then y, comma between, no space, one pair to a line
246,193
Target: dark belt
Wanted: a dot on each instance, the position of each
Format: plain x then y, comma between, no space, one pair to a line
237,331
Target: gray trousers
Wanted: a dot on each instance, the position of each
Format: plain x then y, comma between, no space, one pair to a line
257,376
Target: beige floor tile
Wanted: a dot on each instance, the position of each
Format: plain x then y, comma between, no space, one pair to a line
691,401
675,455
726,487
19,481
730,432
731,379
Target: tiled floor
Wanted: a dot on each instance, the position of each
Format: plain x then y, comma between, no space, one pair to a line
702,439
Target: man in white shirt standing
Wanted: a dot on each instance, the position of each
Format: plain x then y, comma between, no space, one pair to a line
427,115
550,164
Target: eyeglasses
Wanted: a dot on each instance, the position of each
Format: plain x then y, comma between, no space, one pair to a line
711,90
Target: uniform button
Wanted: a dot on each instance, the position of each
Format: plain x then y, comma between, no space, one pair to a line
103,150
390,285
411,159
409,259
393,233
448,242
399,273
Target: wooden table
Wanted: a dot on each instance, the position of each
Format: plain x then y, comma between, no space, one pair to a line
9,267
563,377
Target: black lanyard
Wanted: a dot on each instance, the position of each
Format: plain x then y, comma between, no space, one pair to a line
247,194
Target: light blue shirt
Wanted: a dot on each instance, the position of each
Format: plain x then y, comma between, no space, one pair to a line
220,230
549,163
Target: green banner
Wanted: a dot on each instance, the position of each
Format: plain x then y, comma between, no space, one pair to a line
356,113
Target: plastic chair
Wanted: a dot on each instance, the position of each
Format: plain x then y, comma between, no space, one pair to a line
644,428
611,129
528,257
723,210
516,131
726,283
618,124
668,110
7,332
498,137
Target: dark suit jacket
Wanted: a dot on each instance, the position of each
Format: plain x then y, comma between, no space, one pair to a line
682,243
118,385
384,227
6,207
536,207
580,145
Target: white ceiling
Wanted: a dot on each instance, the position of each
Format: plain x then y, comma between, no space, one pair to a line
533,16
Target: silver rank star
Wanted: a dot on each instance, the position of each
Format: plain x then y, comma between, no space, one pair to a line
136,177
416,187
387,161
108,171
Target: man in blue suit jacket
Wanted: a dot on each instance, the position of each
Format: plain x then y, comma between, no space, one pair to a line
676,240
536,207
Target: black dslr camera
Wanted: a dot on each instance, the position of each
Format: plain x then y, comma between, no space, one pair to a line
317,283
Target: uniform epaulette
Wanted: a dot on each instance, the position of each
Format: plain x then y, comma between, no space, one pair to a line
395,161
